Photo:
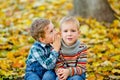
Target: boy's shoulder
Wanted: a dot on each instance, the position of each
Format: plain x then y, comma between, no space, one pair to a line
38,45
83,45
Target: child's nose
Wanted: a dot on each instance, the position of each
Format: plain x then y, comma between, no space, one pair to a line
69,33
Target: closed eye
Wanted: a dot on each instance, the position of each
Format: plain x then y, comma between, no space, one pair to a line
51,31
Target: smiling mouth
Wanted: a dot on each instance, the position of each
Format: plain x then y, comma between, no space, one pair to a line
69,38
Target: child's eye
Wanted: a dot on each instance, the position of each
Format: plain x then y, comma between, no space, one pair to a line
51,31
73,30
65,31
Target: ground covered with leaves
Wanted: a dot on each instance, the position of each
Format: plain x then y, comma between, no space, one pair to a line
102,38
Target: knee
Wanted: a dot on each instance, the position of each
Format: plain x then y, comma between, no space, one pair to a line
76,77
49,72
49,75
31,76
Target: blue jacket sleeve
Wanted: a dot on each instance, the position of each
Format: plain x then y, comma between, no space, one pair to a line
47,61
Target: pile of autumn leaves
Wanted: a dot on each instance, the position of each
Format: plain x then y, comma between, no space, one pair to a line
104,50
103,39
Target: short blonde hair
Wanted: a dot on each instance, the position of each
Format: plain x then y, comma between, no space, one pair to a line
69,18
37,28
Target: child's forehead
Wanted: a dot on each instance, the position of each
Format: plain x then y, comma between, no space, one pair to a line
69,23
49,26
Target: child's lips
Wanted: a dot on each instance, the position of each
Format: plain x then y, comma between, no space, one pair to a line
69,38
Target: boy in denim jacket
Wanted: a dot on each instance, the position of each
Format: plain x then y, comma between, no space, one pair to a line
44,52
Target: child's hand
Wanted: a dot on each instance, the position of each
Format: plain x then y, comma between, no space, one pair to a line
57,42
63,73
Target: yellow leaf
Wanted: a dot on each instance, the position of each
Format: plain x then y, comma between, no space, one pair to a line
116,71
4,66
99,77
42,8
69,6
10,55
116,23
91,77
84,29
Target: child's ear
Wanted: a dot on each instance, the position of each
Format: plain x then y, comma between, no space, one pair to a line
79,32
41,39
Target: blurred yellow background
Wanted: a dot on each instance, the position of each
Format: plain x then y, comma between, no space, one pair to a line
102,38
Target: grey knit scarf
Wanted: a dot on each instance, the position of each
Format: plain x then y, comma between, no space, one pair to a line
73,49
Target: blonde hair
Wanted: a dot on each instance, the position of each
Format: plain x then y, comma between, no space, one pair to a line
37,28
69,19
